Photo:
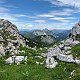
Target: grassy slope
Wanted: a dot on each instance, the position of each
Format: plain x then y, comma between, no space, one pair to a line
39,72
32,71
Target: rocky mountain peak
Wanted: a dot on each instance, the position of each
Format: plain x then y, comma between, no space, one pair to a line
42,32
76,29
10,37
5,24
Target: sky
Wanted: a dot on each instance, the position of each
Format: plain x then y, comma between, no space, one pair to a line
40,14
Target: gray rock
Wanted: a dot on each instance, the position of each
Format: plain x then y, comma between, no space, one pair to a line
76,29
15,59
66,58
50,62
10,37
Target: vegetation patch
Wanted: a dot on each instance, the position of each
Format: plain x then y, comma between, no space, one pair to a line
76,51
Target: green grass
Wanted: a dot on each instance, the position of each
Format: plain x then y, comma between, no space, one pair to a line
38,72
76,51
33,71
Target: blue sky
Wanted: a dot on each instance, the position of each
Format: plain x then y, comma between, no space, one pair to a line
40,14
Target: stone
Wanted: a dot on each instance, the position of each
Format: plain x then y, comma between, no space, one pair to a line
67,48
44,54
10,37
68,52
77,61
75,42
68,41
2,52
66,58
50,62
15,59
54,52
76,29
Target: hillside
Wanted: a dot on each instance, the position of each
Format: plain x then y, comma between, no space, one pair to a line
10,39
41,41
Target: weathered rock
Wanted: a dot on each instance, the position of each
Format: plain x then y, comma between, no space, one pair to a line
68,52
66,48
54,52
76,29
71,42
16,59
2,52
50,62
77,61
10,37
66,58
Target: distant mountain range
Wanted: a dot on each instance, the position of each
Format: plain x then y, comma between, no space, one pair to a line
57,33
61,34
45,37
39,37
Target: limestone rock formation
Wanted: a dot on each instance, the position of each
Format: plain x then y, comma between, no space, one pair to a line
51,63
16,59
76,29
10,39
62,51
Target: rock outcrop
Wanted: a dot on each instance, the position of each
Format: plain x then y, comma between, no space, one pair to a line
10,39
76,29
75,32
16,59
62,51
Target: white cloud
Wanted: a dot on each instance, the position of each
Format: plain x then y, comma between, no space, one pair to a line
28,25
45,15
55,13
7,16
61,19
3,9
64,12
19,15
39,21
75,3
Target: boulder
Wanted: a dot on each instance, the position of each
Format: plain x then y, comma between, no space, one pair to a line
76,29
2,52
66,58
54,52
77,61
68,52
16,59
50,62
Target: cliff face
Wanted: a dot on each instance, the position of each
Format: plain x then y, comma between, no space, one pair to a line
75,32
76,29
10,39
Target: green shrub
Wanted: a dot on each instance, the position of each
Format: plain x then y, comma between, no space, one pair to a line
76,51
31,60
